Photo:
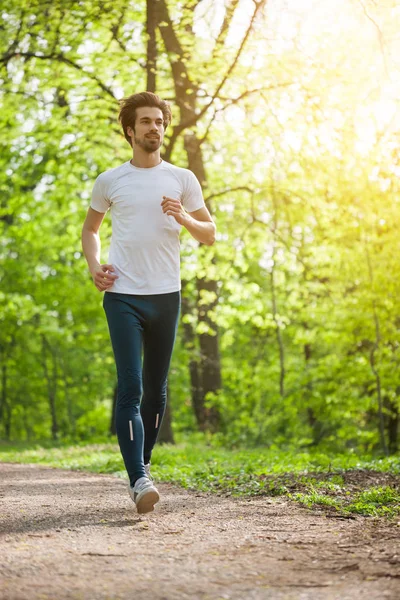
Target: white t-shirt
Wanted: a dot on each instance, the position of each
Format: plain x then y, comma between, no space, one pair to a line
145,247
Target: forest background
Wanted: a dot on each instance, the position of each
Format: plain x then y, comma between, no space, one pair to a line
288,114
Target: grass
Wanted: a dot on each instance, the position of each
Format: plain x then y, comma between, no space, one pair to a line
377,501
343,484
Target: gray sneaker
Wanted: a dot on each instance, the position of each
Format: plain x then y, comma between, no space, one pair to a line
144,494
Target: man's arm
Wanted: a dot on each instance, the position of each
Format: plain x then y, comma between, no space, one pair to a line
201,226
198,223
102,274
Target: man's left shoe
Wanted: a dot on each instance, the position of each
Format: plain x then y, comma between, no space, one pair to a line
144,494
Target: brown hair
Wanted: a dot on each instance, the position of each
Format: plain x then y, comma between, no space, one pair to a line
128,106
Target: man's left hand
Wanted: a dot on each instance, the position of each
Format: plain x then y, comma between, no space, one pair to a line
174,208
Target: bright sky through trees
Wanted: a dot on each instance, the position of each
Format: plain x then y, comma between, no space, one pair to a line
352,39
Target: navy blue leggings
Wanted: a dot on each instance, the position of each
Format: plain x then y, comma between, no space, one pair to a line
141,324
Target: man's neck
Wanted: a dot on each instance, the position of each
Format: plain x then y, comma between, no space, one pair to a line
145,160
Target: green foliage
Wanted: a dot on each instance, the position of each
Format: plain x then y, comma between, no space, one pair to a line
302,166
375,501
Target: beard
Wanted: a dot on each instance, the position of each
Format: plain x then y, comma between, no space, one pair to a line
147,144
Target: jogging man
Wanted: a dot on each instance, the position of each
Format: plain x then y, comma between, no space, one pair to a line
149,200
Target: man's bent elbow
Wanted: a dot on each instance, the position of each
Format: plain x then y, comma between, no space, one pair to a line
212,238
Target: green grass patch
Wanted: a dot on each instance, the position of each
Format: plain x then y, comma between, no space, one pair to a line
346,483
375,502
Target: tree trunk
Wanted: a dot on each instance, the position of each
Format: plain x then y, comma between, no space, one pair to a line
3,398
315,424
151,63
70,409
6,411
210,367
210,363
186,93
51,384
27,424
7,422
278,331
393,424
375,348
189,339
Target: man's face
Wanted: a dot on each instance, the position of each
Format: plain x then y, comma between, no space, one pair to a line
149,129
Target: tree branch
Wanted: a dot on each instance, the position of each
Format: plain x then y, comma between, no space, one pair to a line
380,35
227,191
233,101
60,58
219,42
193,119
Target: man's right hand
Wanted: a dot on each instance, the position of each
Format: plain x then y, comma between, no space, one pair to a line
104,277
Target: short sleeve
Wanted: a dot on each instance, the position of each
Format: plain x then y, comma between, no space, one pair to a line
100,201
192,197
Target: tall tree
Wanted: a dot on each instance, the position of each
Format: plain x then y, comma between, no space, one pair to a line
206,375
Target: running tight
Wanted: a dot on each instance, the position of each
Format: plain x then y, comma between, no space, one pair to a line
141,325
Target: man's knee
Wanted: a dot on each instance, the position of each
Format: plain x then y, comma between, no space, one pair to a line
129,391
155,388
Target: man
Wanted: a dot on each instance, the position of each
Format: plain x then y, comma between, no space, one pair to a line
149,200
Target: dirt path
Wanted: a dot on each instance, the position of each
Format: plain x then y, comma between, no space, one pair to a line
69,535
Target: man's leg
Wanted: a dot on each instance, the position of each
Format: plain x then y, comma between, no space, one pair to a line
126,329
158,344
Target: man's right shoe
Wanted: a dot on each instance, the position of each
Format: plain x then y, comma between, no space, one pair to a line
144,494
